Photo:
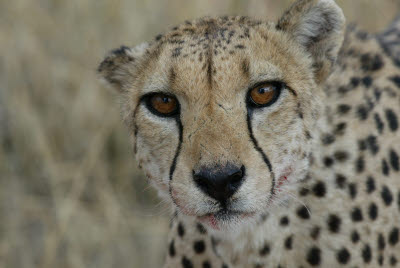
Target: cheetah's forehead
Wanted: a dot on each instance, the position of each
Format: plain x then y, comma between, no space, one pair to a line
225,33
220,53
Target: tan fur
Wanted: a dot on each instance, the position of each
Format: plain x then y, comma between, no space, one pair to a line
209,66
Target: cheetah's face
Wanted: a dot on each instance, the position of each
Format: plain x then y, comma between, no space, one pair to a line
222,109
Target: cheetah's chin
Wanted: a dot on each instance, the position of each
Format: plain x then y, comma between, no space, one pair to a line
224,219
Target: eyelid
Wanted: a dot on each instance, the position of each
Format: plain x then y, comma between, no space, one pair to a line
260,83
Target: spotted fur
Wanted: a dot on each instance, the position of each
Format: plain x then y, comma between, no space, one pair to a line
322,178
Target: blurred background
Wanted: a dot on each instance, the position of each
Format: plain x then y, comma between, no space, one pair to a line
70,192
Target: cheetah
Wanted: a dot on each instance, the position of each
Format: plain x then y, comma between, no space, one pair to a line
275,144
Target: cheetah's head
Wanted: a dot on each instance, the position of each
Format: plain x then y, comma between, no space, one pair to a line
222,110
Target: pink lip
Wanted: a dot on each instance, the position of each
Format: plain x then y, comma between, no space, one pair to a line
213,222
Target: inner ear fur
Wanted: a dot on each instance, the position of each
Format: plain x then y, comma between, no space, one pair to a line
317,26
119,66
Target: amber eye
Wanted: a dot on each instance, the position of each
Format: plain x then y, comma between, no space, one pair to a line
264,94
162,104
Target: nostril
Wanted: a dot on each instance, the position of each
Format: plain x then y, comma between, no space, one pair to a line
219,183
237,176
202,183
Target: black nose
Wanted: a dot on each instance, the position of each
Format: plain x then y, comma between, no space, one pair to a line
219,182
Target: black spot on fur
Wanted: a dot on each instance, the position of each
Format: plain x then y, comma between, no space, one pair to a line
356,215
200,228
370,185
394,160
371,62
355,237
373,211
341,89
392,120
181,230
334,223
343,256
289,242
366,254
284,221
319,189
372,144
398,200
314,256
340,128
308,135
206,264
176,52
385,167
340,181
380,260
362,145
393,260
387,196
265,250
379,123
199,246
381,242
341,156
315,232
353,190
303,213
355,81
396,80
367,81
158,37
343,109
362,112
304,191
186,263
360,164
171,249
328,161
328,139
377,94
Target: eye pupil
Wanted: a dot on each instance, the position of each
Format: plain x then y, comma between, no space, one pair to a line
263,90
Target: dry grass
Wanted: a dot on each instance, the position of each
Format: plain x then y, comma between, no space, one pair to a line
70,192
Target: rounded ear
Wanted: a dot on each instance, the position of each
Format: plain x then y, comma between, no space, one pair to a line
120,65
318,26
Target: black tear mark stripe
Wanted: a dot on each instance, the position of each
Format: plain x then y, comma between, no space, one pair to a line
135,128
258,148
178,150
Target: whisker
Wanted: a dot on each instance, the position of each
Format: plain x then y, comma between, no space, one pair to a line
290,194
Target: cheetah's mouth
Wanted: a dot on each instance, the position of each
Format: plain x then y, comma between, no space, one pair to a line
214,220
227,216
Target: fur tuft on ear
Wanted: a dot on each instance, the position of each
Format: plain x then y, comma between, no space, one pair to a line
119,66
318,26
